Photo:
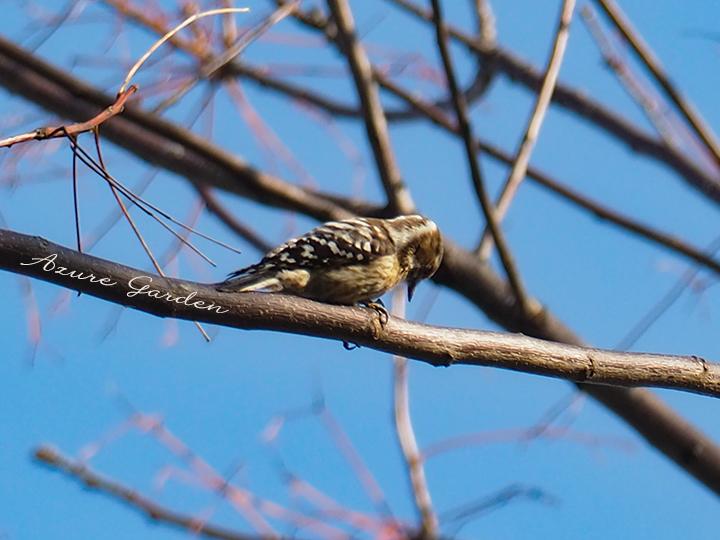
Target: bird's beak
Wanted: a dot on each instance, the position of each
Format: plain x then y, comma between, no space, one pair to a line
411,289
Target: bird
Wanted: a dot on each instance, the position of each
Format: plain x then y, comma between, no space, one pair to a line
348,262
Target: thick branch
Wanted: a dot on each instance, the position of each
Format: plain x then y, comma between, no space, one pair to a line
434,345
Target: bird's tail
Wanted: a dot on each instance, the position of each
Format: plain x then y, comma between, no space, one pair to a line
252,278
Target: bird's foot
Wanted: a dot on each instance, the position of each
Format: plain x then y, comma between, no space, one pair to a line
349,346
382,315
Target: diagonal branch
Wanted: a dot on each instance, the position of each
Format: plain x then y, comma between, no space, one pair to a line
522,158
465,129
648,58
154,511
399,199
576,101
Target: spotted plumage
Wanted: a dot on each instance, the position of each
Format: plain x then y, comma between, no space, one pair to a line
347,262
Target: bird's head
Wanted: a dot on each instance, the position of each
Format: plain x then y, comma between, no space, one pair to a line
419,244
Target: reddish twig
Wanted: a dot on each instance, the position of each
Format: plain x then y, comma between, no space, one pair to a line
91,480
72,130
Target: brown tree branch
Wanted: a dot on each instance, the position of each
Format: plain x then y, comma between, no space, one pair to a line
399,199
654,111
463,122
72,130
437,346
543,179
648,58
532,131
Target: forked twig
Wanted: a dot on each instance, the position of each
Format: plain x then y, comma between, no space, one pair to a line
522,158
91,480
72,130
521,297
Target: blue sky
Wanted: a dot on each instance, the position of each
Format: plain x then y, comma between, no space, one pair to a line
219,397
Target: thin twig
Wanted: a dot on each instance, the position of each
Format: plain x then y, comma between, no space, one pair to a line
228,218
654,111
399,199
131,222
521,297
406,436
91,480
213,65
72,130
664,304
652,63
155,46
522,158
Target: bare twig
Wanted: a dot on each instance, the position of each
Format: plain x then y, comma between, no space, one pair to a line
131,221
155,46
214,64
82,473
406,437
658,309
228,218
72,130
522,158
471,154
653,110
399,199
648,58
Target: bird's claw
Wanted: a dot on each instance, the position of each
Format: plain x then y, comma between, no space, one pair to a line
381,310
348,346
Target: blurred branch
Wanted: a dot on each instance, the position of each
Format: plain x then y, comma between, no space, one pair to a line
522,158
79,471
399,199
233,223
647,102
651,62
465,129
405,434
437,346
